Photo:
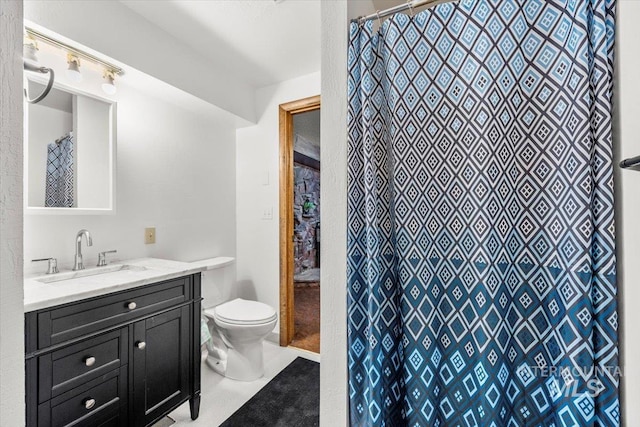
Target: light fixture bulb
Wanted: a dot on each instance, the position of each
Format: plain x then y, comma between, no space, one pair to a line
73,72
29,53
29,49
109,86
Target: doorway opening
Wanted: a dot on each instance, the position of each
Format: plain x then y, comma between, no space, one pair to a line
300,224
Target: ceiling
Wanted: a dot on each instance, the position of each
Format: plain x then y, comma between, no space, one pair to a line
262,42
307,125
386,4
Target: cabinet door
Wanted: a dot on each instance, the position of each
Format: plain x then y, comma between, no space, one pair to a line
161,364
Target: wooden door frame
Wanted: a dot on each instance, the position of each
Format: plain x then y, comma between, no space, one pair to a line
287,111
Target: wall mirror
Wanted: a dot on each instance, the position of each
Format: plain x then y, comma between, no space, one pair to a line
70,152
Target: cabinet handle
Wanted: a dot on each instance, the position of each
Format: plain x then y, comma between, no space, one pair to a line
141,345
89,403
132,305
90,361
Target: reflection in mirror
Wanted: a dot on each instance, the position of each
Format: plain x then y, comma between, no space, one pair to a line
69,152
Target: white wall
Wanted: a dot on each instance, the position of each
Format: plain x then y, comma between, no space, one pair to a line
175,172
333,185
11,294
333,193
257,190
627,143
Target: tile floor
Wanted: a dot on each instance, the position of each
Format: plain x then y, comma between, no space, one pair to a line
221,396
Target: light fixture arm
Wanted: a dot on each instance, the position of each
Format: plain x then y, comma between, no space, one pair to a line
74,55
47,89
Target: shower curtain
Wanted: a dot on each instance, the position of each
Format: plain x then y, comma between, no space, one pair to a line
59,185
481,264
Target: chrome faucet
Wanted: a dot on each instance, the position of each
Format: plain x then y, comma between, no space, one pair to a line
78,265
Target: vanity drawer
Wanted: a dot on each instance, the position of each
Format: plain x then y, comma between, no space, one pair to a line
77,319
101,401
70,367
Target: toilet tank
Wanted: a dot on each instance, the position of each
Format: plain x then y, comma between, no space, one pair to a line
218,281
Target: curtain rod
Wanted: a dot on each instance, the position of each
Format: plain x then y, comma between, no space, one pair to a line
629,163
411,4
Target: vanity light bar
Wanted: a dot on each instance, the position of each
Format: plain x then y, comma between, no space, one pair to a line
74,51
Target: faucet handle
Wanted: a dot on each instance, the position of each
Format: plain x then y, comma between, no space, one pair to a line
52,268
102,257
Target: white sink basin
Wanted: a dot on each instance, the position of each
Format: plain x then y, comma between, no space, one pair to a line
108,269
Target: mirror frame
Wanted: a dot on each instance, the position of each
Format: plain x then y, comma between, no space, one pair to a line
36,210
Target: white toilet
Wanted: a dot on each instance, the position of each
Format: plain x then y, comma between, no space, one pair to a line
237,327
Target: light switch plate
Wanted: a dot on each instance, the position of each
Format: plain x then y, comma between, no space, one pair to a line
267,213
149,235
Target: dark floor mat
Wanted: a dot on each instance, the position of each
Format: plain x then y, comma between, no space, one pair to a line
291,399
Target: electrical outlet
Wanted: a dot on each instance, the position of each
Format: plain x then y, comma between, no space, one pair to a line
149,235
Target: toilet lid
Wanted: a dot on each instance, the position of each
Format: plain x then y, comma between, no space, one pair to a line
242,311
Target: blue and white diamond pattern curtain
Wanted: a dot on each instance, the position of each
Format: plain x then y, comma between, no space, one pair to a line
481,269
59,185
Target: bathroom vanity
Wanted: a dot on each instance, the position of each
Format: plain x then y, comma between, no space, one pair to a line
115,349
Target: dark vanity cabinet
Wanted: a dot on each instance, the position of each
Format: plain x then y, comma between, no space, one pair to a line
161,371
121,359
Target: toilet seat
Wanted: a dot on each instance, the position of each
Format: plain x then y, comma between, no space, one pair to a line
242,312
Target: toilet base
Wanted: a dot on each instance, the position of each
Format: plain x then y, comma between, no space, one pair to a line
245,362
219,366
242,364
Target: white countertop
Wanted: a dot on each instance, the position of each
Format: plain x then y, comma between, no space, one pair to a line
143,271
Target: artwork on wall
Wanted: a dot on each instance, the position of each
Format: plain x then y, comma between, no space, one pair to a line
306,217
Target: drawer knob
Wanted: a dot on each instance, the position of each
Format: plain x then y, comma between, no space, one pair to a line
141,345
89,403
90,361
132,305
